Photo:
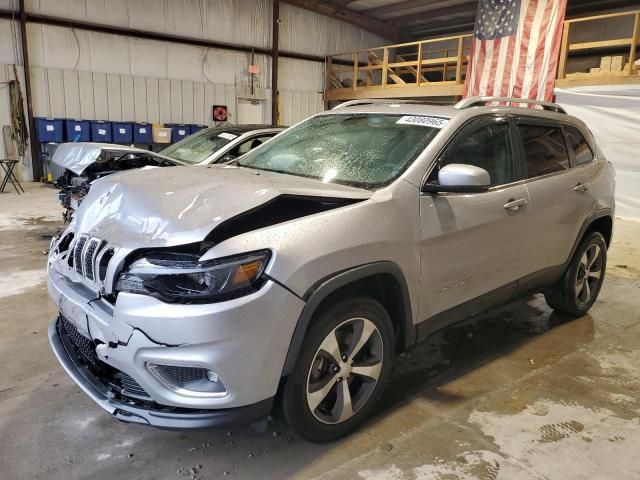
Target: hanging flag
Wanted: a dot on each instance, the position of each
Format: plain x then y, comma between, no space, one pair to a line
515,48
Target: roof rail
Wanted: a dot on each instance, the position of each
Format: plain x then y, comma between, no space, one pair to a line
376,101
475,101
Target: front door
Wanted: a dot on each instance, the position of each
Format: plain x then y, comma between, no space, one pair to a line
472,242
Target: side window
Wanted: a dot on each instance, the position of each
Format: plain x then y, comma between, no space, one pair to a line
545,150
252,143
487,147
582,153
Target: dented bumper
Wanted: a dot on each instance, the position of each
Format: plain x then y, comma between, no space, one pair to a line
243,341
142,413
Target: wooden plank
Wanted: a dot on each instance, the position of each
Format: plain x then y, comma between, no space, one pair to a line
448,89
355,69
591,80
634,42
459,60
619,42
564,50
601,17
419,76
385,62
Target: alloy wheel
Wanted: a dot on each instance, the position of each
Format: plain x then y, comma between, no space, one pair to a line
589,274
344,371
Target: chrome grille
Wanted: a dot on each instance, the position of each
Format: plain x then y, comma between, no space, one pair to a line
89,258
85,254
77,253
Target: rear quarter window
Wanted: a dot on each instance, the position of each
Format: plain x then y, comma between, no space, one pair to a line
582,153
545,150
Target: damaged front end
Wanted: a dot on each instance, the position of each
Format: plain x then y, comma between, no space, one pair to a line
85,163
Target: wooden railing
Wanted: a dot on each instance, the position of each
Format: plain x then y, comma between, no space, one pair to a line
398,70
628,43
436,67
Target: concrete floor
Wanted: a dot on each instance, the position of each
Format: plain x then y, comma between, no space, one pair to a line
520,393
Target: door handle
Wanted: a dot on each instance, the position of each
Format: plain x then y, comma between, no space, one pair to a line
515,204
582,187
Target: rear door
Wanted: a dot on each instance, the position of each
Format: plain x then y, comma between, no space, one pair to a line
560,197
472,242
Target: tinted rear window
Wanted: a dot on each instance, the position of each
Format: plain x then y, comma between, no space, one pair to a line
544,148
582,153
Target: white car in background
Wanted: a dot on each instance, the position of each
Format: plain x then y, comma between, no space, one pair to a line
85,162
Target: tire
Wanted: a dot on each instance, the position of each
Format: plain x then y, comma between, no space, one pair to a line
577,291
312,402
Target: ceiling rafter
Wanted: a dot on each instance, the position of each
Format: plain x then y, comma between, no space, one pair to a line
373,25
469,9
405,5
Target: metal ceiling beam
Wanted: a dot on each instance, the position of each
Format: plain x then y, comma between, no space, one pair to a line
469,8
405,5
370,24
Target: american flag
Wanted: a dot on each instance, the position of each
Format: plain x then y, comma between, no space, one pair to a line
515,48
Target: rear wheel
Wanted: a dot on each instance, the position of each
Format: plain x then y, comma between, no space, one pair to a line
343,365
579,288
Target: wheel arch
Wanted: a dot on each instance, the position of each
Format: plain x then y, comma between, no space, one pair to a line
599,221
384,281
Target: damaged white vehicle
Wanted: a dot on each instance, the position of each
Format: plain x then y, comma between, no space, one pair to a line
86,162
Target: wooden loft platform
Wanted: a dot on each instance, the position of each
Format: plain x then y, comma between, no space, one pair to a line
437,67
626,47
416,69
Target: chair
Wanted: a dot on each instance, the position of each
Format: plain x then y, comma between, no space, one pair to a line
9,176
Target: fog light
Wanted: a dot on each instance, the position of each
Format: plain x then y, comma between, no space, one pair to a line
189,380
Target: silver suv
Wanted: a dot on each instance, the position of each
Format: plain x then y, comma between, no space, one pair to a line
286,282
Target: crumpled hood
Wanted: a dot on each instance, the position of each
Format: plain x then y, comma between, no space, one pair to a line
174,206
77,156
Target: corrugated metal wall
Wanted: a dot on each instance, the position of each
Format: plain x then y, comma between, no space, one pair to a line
81,74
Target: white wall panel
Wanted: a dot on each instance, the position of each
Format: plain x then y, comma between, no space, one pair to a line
100,100
127,97
164,100
246,22
71,94
114,97
85,84
140,99
153,105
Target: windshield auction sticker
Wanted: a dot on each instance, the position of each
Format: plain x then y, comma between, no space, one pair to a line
433,122
227,136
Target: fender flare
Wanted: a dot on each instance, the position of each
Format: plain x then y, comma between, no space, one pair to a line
322,289
595,215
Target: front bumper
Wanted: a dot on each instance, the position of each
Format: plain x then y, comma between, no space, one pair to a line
147,413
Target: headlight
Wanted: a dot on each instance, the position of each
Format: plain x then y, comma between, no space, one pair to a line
181,278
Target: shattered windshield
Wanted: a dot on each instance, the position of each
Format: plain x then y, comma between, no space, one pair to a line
362,150
198,147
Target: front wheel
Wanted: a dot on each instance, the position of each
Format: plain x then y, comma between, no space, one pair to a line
581,283
343,366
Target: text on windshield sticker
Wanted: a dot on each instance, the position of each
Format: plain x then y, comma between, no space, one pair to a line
434,122
227,136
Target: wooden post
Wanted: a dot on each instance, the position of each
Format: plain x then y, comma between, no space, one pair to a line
419,67
634,42
385,65
460,59
564,50
356,60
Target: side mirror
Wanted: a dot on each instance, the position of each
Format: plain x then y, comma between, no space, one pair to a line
460,178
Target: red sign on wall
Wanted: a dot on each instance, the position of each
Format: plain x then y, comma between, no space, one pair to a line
220,113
